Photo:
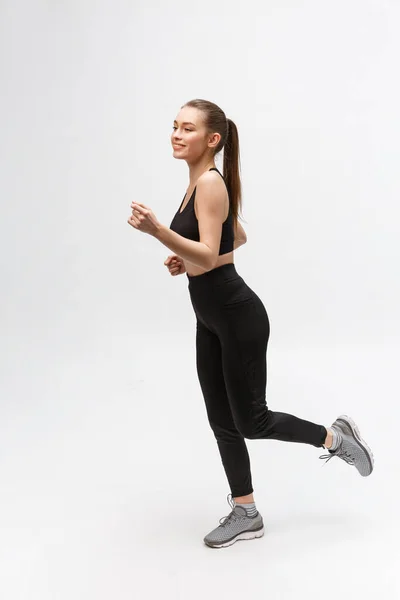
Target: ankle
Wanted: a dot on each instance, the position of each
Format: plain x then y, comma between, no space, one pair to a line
333,439
328,439
244,499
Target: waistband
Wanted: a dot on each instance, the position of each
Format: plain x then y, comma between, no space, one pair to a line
221,273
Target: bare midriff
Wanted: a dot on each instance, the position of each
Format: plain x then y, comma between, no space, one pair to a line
224,259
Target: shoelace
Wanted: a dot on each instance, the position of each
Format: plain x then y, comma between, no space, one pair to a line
341,454
224,520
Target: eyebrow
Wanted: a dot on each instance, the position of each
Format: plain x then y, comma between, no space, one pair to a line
186,123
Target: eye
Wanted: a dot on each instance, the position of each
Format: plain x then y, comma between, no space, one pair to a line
186,129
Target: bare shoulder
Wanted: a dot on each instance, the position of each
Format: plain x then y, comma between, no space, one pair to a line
211,185
210,177
211,197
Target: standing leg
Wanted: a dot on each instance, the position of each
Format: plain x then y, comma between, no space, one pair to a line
231,443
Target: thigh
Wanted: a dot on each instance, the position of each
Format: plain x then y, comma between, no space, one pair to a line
211,378
244,341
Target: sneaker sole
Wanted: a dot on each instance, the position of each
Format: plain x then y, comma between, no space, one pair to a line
362,443
245,535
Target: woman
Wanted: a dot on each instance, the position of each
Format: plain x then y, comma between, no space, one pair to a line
232,324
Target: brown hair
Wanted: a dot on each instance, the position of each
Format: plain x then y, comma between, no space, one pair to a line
216,121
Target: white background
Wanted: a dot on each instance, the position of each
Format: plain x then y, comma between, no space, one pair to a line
110,475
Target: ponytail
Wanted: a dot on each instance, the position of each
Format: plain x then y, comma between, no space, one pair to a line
216,121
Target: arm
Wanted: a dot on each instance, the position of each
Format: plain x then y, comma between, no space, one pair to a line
210,198
237,243
240,236
196,253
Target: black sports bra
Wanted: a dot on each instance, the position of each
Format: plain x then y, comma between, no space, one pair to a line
186,224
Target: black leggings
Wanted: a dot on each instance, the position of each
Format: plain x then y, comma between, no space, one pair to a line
231,344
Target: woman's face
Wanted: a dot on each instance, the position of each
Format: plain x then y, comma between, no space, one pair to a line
188,138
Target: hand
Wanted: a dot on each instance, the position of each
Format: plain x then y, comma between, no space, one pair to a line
143,219
175,264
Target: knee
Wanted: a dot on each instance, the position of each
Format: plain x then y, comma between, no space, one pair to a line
248,430
260,425
225,433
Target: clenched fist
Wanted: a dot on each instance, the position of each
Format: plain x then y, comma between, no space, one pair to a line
175,264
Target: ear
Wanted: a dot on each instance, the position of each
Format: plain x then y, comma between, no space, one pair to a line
214,140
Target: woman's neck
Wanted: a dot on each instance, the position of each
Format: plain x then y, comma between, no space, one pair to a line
197,170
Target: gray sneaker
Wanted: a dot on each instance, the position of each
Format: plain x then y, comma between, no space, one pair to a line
236,526
352,448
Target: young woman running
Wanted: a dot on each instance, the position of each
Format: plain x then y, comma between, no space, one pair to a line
232,323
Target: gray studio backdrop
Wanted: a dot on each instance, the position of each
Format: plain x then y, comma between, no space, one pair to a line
98,386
